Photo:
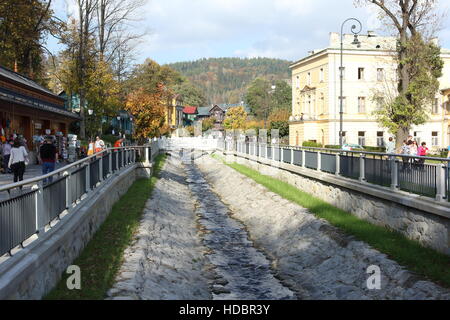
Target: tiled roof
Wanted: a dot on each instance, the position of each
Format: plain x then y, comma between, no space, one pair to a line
14,76
190,110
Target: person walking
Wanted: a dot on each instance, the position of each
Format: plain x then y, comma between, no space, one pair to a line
48,155
405,150
118,143
423,152
17,160
99,145
390,146
6,155
91,148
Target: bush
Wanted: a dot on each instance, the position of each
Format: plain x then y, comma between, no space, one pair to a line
375,149
330,146
312,144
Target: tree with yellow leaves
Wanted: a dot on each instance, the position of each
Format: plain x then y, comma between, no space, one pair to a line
148,111
235,118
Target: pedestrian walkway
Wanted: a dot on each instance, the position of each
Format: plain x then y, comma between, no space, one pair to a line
30,172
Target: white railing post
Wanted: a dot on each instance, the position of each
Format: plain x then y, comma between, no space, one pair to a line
39,205
273,153
117,158
281,154
441,185
68,189
303,158
394,173
362,170
292,156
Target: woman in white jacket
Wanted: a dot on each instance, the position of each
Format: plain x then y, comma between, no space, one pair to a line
17,160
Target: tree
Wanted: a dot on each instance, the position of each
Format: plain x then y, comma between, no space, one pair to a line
24,25
235,118
258,98
282,96
208,124
418,59
192,96
148,111
279,119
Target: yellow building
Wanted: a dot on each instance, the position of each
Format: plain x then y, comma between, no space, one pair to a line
174,111
369,78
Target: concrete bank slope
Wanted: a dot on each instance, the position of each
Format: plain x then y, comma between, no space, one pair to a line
166,260
313,258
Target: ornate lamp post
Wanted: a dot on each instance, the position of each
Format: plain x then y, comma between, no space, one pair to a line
355,31
90,113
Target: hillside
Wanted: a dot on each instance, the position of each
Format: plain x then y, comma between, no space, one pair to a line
223,80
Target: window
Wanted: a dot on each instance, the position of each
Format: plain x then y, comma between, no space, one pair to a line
322,104
360,73
308,79
321,75
380,139
297,81
435,138
344,137
436,106
380,74
417,137
362,138
361,105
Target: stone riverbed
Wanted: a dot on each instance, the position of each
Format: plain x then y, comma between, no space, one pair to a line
209,232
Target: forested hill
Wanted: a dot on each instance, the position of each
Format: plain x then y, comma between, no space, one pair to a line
224,80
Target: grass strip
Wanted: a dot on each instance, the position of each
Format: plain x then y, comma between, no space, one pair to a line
411,254
102,258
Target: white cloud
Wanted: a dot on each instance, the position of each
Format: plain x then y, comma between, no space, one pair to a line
190,29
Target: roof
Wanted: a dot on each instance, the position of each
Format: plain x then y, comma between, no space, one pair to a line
17,77
190,110
203,111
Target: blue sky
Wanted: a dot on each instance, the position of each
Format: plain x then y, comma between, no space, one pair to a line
183,30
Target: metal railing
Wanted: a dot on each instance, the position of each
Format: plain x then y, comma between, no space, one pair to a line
33,205
425,176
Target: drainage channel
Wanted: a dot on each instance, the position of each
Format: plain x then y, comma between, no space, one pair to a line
243,272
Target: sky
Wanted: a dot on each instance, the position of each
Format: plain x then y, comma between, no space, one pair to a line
186,30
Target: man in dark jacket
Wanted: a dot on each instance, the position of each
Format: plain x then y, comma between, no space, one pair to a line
48,155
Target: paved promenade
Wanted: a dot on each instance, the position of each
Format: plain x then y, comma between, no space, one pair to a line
30,172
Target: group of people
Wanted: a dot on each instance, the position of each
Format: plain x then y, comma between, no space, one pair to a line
99,145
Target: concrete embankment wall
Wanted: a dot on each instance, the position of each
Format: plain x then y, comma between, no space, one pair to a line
34,271
418,218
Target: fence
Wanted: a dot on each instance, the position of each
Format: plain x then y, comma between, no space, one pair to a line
34,209
425,176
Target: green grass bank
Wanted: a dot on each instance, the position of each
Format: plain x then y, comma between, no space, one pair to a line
102,258
411,254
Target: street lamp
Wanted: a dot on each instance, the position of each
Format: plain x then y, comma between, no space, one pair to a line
356,42
90,113
120,124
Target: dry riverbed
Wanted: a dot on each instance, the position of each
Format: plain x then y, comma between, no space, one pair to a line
209,232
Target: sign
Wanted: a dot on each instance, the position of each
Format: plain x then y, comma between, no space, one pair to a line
38,125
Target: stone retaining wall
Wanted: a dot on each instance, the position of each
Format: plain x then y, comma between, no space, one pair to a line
395,210
34,271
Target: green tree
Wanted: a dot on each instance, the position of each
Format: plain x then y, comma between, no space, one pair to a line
24,26
282,96
419,63
192,96
258,98
235,118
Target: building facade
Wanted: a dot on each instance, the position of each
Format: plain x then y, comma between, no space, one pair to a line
30,110
174,111
370,77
